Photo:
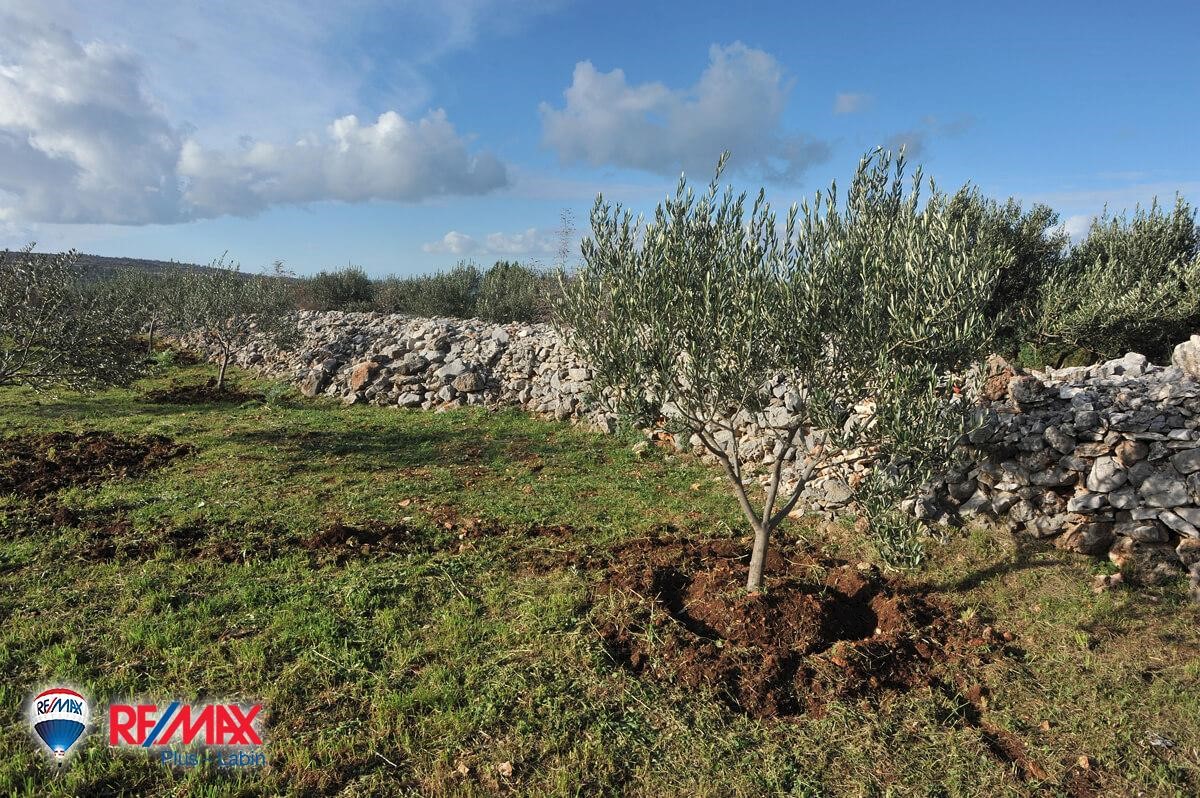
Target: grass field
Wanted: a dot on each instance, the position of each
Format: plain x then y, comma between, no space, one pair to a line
400,589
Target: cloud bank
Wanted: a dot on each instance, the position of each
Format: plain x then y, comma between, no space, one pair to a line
736,104
393,159
915,141
82,140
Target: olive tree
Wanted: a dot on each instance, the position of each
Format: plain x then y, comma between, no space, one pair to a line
57,328
1038,243
153,298
511,291
706,308
342,289
231,307
1132,284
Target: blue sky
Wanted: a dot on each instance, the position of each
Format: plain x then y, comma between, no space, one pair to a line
402,136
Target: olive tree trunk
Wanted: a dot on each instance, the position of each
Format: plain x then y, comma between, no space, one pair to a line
758,558
225,353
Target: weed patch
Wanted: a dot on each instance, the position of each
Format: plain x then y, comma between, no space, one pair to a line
413,628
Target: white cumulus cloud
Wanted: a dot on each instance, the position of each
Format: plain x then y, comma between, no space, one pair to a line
454,243
532,242
82,140
1078,225
392,159
736,104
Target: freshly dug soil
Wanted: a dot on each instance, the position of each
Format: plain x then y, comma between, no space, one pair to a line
823,629
36,465
202,395
342,542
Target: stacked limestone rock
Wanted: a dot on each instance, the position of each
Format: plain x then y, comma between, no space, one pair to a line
1099,459
425,363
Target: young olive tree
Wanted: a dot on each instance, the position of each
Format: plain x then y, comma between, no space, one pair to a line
153,298
56,328
232,307
706,308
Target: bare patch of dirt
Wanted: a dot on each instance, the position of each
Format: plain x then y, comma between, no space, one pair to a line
36,465
43,512
114,539
342,542
202,395
1083,779
824,630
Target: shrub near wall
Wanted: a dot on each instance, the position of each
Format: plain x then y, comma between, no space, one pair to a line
512,291
450,293
1132,285
344,289
508,291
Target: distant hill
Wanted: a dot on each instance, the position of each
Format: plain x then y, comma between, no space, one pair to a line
101,266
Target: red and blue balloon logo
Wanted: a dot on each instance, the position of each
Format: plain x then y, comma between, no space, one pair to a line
59,717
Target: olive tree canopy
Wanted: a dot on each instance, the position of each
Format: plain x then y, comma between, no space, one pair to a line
705,308
56,328
233,307
1132,284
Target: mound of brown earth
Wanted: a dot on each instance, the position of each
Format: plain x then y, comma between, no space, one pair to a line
202,395
36,465
342,542
822,630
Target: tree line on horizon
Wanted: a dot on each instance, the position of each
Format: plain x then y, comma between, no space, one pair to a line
1133,283
1130,284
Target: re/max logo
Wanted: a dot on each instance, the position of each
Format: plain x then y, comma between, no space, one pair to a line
214,724
60,704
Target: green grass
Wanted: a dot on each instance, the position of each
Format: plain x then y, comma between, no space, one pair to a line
430,669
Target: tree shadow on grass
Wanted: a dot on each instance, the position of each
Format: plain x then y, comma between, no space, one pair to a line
387,448
1023,558
446,442
88,411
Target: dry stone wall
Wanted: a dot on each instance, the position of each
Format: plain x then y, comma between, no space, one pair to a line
1098,460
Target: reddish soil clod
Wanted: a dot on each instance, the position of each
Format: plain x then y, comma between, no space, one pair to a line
822,629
